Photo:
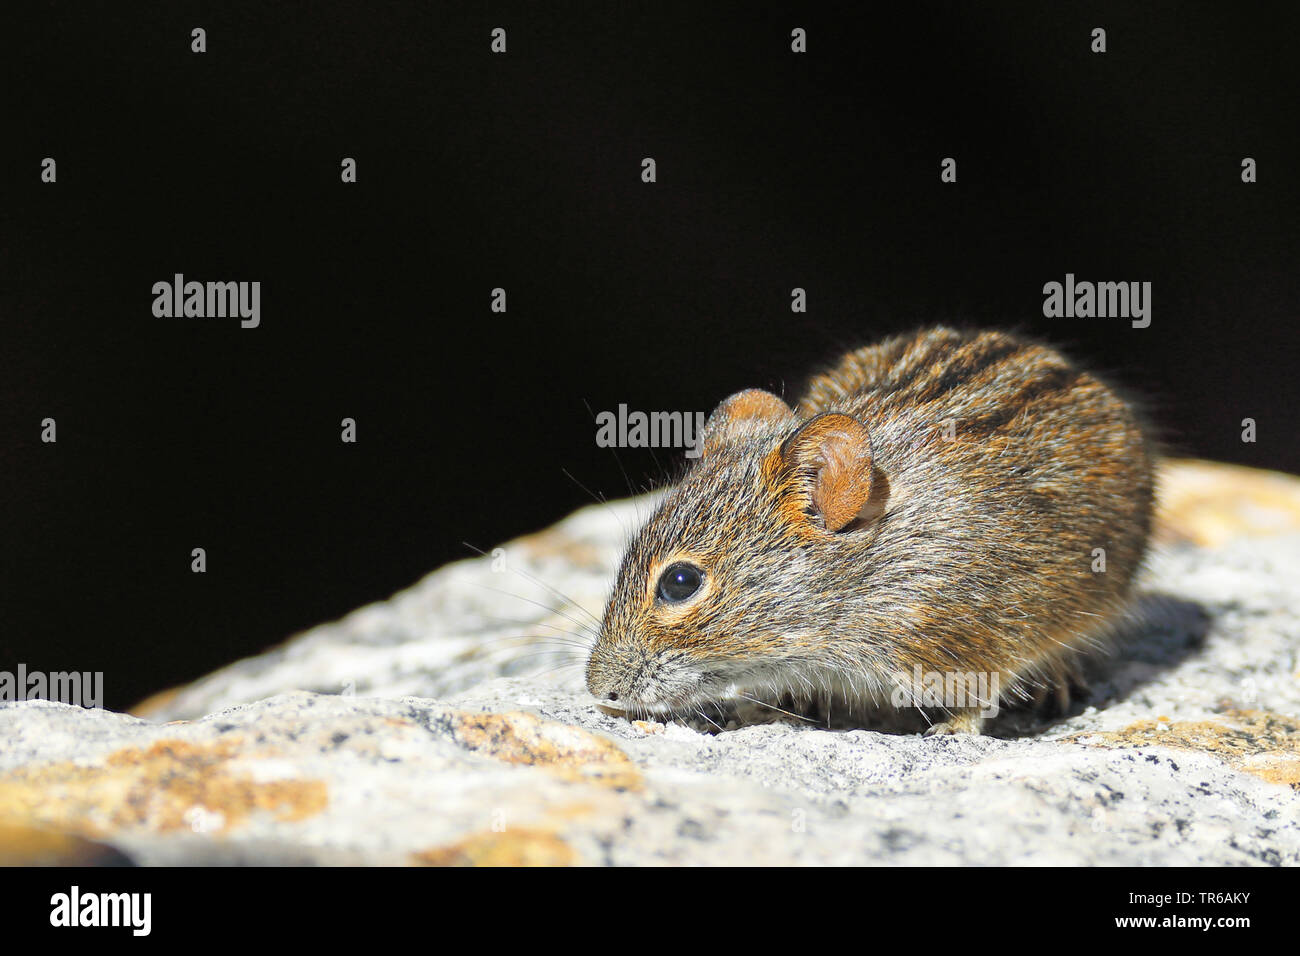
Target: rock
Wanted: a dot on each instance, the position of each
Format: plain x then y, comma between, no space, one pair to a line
1206,503
449,726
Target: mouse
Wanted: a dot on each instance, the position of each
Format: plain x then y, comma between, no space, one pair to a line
948,503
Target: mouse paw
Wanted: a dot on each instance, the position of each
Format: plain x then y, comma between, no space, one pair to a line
963,722
1056,699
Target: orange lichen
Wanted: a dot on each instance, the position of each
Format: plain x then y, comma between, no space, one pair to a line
156,788
1259,743
569,752
521,846
1207,503
36,846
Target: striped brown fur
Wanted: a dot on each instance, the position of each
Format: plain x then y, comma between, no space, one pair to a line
934,501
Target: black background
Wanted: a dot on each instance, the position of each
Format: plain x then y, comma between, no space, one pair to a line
398,898
775,170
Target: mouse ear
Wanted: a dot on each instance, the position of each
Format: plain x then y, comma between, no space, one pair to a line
737,411
830,458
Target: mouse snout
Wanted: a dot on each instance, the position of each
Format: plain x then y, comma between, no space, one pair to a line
636,676
611,672
628,672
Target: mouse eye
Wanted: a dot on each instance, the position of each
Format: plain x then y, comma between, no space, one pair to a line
679,582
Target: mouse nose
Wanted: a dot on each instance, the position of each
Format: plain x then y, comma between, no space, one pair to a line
602,676
602,688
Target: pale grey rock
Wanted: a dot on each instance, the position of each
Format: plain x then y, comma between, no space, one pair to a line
404,781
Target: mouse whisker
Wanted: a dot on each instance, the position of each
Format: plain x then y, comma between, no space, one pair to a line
546,607
542,584
763,703
700,711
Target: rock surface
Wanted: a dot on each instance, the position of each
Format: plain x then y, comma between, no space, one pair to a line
449,725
